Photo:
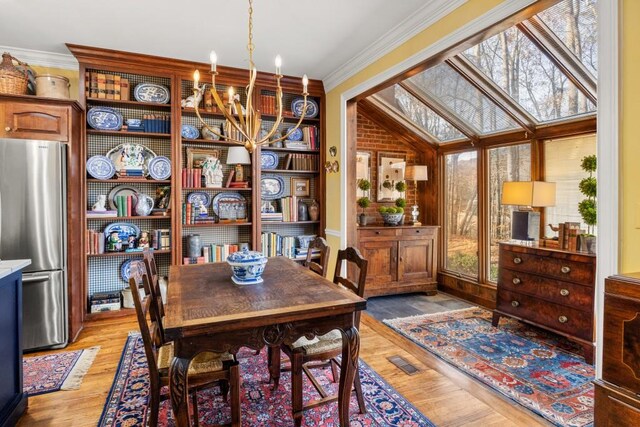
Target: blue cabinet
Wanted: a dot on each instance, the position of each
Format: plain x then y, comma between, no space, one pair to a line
13,401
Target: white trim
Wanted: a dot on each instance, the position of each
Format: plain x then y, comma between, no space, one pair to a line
608,160
43,59
495,15
420,19
333,233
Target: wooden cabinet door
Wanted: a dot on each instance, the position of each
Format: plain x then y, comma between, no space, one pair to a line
416,260
382,256
31,121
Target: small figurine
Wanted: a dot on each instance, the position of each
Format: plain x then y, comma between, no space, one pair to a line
114,243
193,100
131,242
212,170
99,205
143,241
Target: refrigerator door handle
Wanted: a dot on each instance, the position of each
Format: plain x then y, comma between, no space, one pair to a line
32,279
0,224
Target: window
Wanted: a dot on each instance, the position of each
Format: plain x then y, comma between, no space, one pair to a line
461,212
512,163
562,158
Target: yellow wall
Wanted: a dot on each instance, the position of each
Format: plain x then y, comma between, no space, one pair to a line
458,18
72,75
629,145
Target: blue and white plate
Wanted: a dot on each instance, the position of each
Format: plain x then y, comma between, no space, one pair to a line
151,92
268,160
160,168
100,167
104,118
296,135
271,187
132,268
190,132
124,229
228,196
312,107
199,198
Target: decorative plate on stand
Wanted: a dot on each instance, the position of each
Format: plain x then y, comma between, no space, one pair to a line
131,157
124,229
100,167
312,107
271,187
189,132
151,92
104,118
199,198
296,135
268,160
160,168
132,268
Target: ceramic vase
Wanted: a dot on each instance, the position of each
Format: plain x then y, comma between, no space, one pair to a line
193,245
303,212
314,211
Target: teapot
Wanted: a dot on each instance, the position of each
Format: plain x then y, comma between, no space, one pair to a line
144,205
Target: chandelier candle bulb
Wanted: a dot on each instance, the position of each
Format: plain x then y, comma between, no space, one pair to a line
305,83
214,59
196,78
231,93
278,64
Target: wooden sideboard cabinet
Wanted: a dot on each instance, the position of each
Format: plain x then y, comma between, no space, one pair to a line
401,259
618,392
549,288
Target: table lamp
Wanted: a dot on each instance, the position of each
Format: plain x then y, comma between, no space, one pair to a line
238,156
416,173
525,222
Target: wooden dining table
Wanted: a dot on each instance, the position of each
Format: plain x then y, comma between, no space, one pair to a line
206,311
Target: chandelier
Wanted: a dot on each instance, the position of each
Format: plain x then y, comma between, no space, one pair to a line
245,119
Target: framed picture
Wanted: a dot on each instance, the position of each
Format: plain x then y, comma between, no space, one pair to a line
363,171
195,156
390,171
300,187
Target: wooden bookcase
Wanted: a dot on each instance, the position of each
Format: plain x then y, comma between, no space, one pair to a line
102,271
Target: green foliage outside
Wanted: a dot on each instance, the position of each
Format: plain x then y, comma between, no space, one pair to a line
588,186
464,263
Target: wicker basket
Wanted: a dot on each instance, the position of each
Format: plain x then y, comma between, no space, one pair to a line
13,81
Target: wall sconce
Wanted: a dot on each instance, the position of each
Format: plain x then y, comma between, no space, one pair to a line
332,167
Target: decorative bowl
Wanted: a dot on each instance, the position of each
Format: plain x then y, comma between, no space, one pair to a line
247,266
134,122
392,219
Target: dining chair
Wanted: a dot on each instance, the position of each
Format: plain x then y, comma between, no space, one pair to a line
206,369
323,349
318,265
158,306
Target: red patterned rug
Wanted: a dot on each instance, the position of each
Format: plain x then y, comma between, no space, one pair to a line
541,371
127,401
56,371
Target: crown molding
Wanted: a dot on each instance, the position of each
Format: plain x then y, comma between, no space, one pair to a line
422,18
43,59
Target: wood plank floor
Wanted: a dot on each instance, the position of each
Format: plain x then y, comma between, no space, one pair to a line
445,395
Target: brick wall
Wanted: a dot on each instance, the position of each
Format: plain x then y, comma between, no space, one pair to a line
374,138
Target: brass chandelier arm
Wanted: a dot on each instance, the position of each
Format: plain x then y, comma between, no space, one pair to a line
212,130
228,116
302,116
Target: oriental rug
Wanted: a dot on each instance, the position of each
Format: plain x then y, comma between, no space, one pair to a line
541,371
261,406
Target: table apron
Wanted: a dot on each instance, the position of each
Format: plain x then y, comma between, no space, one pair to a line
258,337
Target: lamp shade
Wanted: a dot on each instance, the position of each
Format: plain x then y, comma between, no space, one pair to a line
417,173
529,193
238,156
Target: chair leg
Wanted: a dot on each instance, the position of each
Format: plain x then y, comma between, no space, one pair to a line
274,366
359,396
234,382
224,389
154,405
334,370
296,388
195,407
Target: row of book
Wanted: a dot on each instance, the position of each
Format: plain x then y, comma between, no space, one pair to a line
301,162
213,253
125,205
104,301
568,235
268,106
106,86
274,244
95,241
196,214
310,136
191,178
289,208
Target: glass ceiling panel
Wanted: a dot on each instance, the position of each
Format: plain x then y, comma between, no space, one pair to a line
410,107
575,22
515,64
463,99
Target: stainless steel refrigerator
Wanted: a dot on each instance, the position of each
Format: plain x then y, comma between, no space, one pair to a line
33,225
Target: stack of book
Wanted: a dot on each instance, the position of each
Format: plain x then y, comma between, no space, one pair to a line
568,235
239,184
106,86
124,205
310,136
103,214
94,242
232,132
272,244
301,253
268,104
160,239
104,301
271,216
301,162
191,215
213,253
191,178
289,207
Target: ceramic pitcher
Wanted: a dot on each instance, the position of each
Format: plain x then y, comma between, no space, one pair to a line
144,205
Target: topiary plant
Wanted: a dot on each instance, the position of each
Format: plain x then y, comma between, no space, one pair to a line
364,184
400,202
588,187
363,202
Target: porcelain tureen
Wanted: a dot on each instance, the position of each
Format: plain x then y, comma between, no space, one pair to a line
247,266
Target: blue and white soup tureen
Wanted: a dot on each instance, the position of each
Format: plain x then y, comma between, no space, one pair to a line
247,266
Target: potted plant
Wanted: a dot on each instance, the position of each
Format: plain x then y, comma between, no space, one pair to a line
364,203
401,186
400,205
391,215
587,207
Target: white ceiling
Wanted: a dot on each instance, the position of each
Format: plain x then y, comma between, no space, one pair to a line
313,37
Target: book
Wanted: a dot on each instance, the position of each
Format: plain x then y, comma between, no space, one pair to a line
102,86
124,89
109,86
116,87
230,178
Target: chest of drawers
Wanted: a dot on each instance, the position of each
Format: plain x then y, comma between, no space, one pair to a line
549,288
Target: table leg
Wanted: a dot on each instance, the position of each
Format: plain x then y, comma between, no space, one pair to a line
274,365
179,390
348,368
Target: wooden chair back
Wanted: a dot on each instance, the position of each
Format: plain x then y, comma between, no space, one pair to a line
318,265
152,273
351,255
149,328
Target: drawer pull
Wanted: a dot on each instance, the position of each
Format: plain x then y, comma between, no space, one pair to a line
7,129
563,319
564,292
516,281
515,303
517,260
377,232
417,231
565,270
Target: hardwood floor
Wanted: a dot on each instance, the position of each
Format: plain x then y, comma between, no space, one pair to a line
447,396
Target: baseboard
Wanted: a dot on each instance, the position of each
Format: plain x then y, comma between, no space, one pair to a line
476,293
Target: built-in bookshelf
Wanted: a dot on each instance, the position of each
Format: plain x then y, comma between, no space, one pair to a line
219,233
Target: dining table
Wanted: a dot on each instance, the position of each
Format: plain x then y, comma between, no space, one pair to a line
207,312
